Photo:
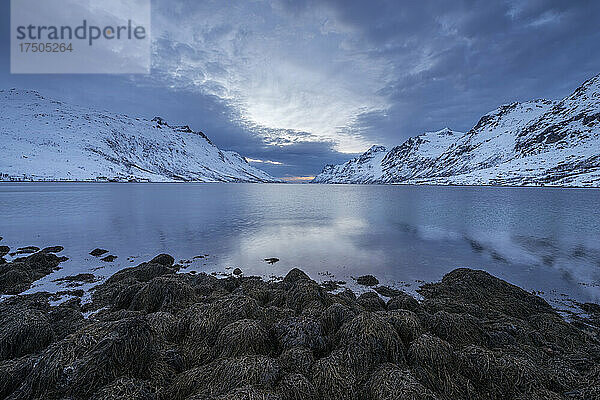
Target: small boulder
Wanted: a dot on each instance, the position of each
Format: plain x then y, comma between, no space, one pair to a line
367,280
98,252
163,259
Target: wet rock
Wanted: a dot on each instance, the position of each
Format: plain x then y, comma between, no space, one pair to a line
295,387
109,258
300,331
391,382
154,333
486,292
271,260
368,340
403,301
163,259
367,280
243,337
53,249
23,330
371,301
295,275
297,359
77,280
333,380
18,275
387,291
237,272
26,250
224,375
4,250
98,252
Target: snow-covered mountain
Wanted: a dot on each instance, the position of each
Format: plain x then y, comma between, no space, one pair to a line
534,143
44,139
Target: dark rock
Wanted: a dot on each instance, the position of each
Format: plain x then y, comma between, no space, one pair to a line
388,291
98,252
18,275
163,259
486,292
77,280
271,260
25,250
4,250
53,249
403,301
367,280
237,271
294,275
109,258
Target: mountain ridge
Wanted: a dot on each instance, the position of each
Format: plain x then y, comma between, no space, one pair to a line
533,143
47,140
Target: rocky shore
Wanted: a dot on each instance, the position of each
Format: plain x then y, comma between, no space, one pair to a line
150,332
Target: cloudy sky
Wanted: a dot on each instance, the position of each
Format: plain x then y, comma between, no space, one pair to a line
296,84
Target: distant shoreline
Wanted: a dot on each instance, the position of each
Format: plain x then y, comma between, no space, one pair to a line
316,183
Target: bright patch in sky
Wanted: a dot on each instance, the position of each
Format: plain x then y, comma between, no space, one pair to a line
289,77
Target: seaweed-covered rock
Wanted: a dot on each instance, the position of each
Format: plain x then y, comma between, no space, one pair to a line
126,388
333,380
406,323
296,387
242,337
499,376
335,316
403,301
13,373
458,329
23,331
371,301
368,340
487,292
297,359
80,364
97,252
162,294
4,250
224,375
300,331
390,382
367,280
52,249
163,259
436,366
18,275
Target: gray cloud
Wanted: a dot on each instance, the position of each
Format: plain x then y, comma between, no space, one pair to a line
296,82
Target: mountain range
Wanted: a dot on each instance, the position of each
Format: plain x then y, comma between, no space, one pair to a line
43,139
535,143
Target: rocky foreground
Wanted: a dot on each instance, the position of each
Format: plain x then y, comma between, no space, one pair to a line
153,333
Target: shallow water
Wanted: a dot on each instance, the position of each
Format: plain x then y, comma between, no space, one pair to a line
542,239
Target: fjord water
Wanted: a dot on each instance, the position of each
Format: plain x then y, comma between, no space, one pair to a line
543,239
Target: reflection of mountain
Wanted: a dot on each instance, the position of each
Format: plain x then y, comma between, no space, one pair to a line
43,139
538,142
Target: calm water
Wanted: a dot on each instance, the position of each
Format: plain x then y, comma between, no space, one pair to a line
540,239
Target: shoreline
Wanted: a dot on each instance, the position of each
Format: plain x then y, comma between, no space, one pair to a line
154,332
317,183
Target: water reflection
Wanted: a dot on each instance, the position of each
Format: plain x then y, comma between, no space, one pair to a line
541,239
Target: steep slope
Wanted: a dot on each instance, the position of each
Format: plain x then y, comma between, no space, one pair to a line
539,142
364,169
43,139
378,165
